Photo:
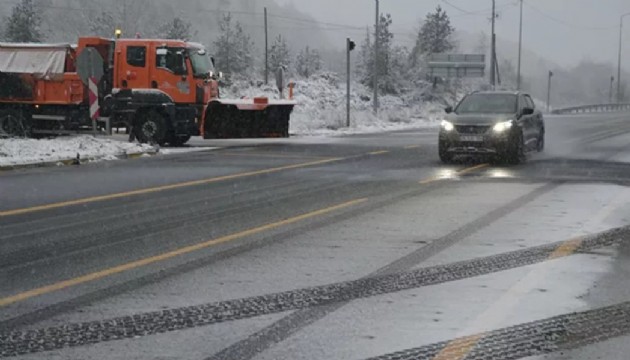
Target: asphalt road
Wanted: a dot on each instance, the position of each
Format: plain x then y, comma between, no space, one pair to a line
324,248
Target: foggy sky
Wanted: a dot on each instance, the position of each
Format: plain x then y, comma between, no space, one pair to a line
566,39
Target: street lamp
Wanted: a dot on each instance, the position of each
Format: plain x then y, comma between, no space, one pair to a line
549,91
520,47
376,57
350,46
619,63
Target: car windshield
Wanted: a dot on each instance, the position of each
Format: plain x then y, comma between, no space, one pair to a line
201,62
488,104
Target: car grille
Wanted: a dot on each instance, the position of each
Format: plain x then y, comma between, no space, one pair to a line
472,129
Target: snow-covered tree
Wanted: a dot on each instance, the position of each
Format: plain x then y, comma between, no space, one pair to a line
24,23
365,63
178,29
279,55
233,48
435,36
308,62
103,24
391,62
385,40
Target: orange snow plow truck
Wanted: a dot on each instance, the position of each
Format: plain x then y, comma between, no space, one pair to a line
166,90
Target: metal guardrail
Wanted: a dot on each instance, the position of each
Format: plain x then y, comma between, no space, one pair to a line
597,108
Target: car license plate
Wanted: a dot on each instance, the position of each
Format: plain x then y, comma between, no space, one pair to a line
471,138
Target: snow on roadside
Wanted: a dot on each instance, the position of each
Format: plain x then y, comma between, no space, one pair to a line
31,151
321,108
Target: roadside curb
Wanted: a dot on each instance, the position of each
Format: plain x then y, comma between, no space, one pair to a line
70,162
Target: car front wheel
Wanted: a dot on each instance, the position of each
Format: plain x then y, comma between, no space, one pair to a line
516,151
445,156
540,145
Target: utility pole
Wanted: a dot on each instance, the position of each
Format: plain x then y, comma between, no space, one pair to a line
520,49
619,63
610,95
494,45
376,46
350,45
266,49
549,91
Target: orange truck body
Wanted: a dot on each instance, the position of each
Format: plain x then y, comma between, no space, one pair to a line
163,89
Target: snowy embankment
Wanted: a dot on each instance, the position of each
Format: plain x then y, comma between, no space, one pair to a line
30,151
321,108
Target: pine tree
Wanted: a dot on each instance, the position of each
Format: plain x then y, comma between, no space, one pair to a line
435,36
384,45
391,64
24,23
366,61
233,48
279,55
308,62
178,29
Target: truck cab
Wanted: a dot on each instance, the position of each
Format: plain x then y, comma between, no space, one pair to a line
175,73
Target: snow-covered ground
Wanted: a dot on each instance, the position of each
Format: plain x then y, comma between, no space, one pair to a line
31,151
321,106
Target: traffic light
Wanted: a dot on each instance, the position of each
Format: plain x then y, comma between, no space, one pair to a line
351,45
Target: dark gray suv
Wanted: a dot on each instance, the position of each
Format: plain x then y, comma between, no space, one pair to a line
501,124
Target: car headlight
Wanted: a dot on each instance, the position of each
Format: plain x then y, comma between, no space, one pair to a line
503,126
447,125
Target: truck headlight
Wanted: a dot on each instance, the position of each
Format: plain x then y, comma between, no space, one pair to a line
503,126
447,125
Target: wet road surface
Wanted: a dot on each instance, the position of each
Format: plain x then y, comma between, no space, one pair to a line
324,248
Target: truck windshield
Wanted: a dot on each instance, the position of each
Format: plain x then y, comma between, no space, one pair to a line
201,64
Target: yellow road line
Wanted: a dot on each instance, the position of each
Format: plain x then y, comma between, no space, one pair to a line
380,152
460,172
162,188
458,349
429,180
412,147
169,255
567,248
471,169
271,155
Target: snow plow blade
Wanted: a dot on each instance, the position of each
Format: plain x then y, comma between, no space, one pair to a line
246,119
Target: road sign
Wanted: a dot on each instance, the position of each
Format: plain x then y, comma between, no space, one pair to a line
93,98
280,81
457,65
90,65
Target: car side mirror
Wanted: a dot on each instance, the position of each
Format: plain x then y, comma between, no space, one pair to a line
449,109
528,111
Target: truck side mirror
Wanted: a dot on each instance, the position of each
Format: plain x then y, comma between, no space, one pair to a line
213,62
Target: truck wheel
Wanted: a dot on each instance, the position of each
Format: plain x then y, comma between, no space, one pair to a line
12,124
151,128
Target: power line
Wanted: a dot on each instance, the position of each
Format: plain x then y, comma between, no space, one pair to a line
457,7
565,23
481,12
